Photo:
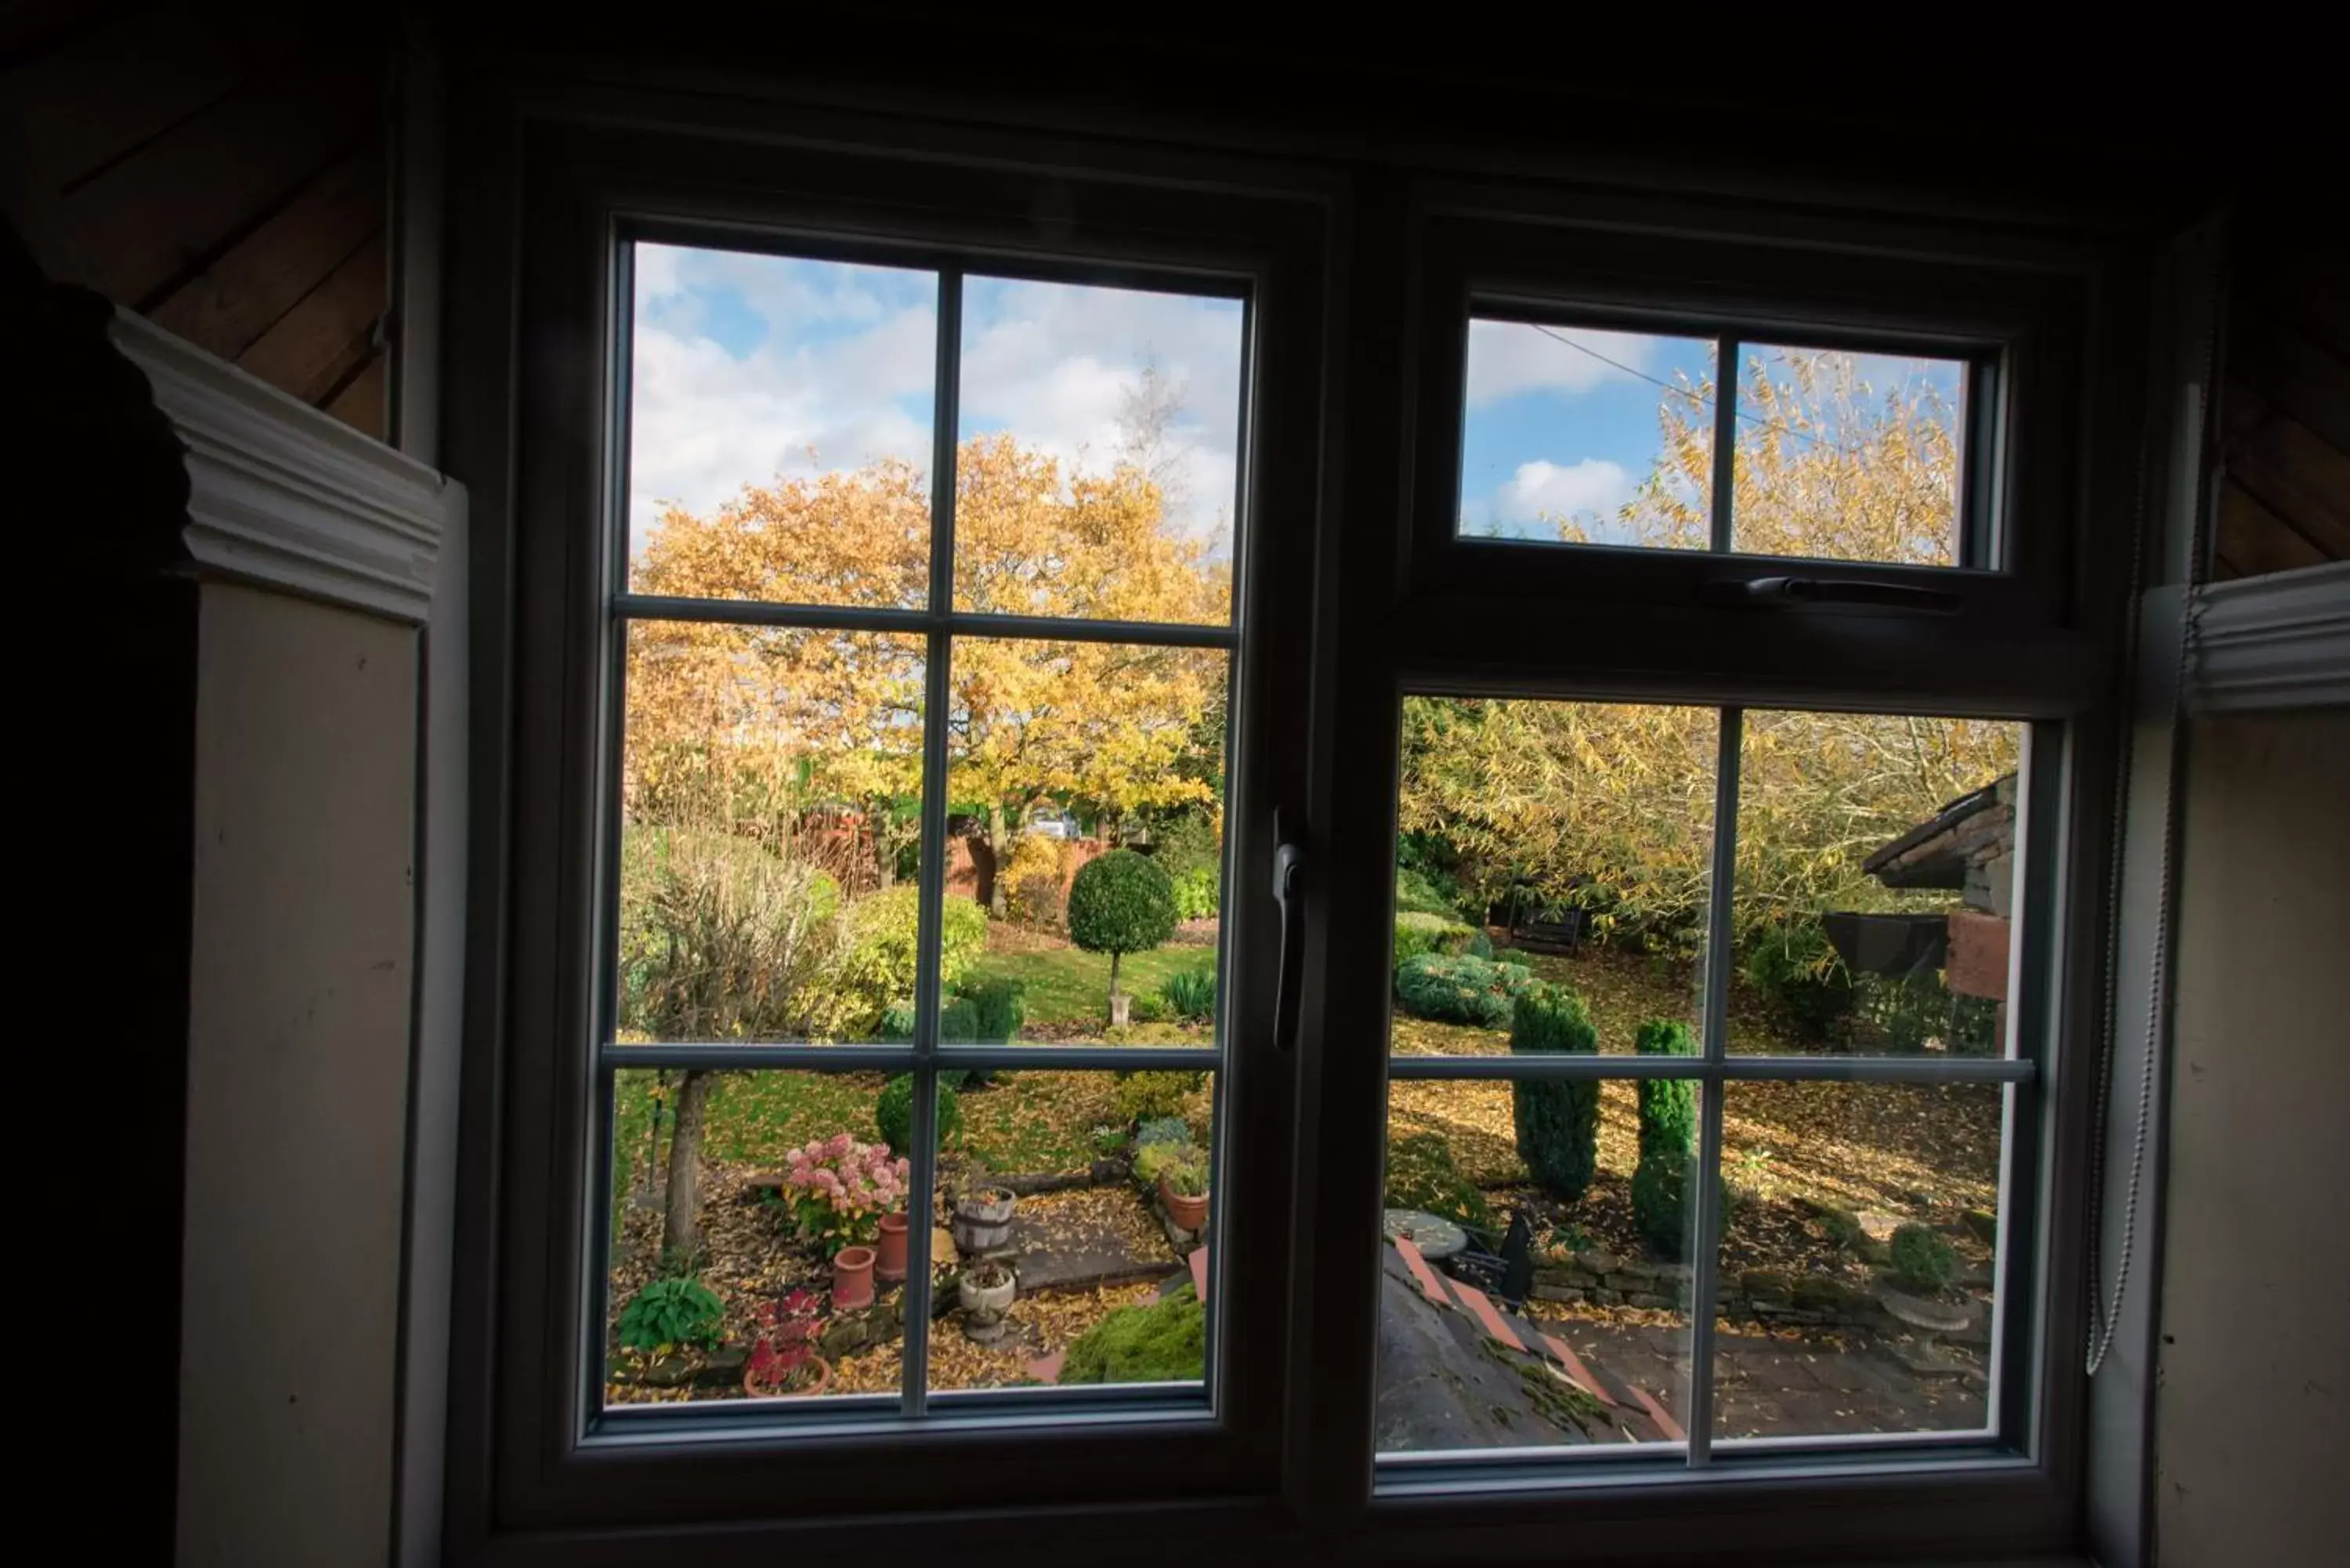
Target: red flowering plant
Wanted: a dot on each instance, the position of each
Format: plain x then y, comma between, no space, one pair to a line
785,1358
839,1188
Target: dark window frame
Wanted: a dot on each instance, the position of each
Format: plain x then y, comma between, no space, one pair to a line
1342,256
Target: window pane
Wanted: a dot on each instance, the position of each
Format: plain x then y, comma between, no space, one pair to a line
1571,1329
771,789
1090,1276
1848,457
1856,1277
1567,842
722,1264
1580,435
1099,440
1876,877
780,415
1068,763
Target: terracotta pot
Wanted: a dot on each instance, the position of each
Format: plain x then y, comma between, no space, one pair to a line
1189,1213
758,1390
852,1278
892,1264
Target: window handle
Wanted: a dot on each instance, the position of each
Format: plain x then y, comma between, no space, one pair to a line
1289,892
1835,591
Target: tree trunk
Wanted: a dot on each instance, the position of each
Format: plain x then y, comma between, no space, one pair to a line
999,845
1120,1003
681,1222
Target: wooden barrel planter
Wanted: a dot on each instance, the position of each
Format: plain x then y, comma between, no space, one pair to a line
983,1221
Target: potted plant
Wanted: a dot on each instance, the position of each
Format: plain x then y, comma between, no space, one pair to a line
890,1263
1183,1189
839,1190
852,1278
784,1363
983,1220
984,1291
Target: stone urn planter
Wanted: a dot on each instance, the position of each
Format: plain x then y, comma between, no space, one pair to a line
889,1262
983,1221
985,1291
1189,1211
852,1278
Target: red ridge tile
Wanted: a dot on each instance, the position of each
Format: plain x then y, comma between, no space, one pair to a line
1430,1285
1474,1300
1664,1423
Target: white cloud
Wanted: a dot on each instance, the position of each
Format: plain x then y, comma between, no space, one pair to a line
842,376
1507,357
1594,487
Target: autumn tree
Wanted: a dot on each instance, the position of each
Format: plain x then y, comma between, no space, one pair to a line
1610,805
751,725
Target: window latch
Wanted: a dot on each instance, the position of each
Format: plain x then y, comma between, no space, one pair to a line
1289,893
1859,591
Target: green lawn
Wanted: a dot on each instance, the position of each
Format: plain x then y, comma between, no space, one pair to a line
1068,987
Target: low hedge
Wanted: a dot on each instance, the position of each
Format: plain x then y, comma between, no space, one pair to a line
1460,989
1417,932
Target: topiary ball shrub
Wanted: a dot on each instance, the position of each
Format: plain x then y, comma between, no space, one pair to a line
1120,903
1923,1258
1557,1119
1661,1186
1460,989
893,1112
1166,1341
1668,1105
1189,993
1422,1174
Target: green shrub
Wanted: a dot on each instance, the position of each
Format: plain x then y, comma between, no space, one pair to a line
958,1021
1417,932
1668,1105
1159,1158
1558,1118
1148,1096
999,1011
671,1313
1422,1174
1166,1341
1156,1130
1190,992
1148,1008
1799,969
879,966
1460,989
893,1112
1660,1195
1923,1258
1120,903
1198,892
1417,892
1479,944
1518,956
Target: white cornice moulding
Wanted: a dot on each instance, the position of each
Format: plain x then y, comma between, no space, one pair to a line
2277,642
286,496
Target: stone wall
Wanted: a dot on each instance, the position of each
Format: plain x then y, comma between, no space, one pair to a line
1770,1297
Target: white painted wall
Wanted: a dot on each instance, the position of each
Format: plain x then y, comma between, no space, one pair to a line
2252,1394
297,1081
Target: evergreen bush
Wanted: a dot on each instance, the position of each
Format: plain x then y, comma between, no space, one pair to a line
1558,1118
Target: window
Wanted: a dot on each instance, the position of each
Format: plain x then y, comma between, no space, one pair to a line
919,808
1588,435
893,549
1699,1079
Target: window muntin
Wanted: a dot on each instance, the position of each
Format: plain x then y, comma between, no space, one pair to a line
1592,432
1827,1135
861,691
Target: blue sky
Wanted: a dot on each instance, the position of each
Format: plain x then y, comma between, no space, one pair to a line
1561,422
751,367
